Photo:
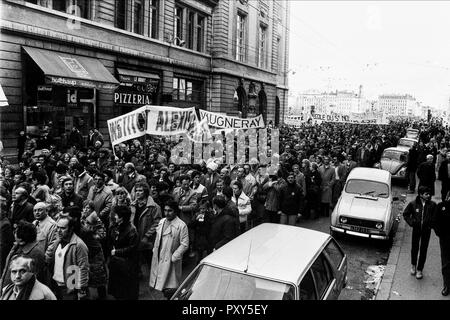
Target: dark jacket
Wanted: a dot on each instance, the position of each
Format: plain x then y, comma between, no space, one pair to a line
443,172
441,220
22,212
290,199
72,200
427,175
413,158
416,215
6,241
223,228
148,221
124,265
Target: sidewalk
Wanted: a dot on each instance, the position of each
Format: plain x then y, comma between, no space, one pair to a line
397,283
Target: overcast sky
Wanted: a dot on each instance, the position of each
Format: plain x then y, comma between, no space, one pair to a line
386,46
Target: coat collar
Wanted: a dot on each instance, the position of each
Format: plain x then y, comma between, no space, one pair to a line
26,249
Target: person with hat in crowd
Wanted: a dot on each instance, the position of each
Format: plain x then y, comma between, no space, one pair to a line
210,179
75,139
24,283
418,214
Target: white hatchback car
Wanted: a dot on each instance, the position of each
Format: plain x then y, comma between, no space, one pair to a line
270,262
365,206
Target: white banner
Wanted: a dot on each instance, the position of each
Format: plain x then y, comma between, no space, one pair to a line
218,120
128,126
353,118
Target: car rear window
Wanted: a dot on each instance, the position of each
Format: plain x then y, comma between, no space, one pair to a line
212,283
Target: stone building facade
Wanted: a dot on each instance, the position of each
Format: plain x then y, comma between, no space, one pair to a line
66,63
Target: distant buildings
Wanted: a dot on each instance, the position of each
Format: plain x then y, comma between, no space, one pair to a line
399,105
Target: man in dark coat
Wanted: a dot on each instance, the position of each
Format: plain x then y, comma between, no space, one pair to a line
427,174
291,198
418,214
21,209
6,233
68,197
441,226
223,224
75,139
411,168
444,176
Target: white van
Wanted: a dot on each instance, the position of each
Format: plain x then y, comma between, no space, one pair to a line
270,262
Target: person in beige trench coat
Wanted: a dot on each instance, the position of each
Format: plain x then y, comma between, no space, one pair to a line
172,241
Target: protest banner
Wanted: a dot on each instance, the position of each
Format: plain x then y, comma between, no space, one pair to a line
360,118
164,121
128,126
218,120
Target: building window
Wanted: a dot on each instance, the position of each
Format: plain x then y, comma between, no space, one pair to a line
154,19
241,37
187,90
190,30
200,33
80,8
262,46
178,24
138,16
121,14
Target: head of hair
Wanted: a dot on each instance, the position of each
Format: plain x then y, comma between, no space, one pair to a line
73,223
108,173
184,177
173,205
227,191
30,263
26,188
65,179
423,189
238,183
194,174
97,173
145,187
26,231
78,166
61,168
73,211
220,201
123,212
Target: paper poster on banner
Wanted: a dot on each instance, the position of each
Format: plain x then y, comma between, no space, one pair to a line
200,132
128,126
218,120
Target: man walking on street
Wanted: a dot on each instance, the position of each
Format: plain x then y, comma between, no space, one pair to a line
427,174
418,214
444,176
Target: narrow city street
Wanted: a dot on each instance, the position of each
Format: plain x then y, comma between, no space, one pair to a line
361,253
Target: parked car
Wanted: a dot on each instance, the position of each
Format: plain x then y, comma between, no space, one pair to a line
364,208
406,143
270,262
394,160
412,133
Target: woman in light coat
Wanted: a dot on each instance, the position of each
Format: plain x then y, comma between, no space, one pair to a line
172,241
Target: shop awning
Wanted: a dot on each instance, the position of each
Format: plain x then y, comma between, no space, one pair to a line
127,75
72,70
3,100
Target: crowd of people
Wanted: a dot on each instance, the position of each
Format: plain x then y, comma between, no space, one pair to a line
84,222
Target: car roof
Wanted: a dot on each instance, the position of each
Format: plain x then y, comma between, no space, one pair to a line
371,174
401,149
410,139
279,252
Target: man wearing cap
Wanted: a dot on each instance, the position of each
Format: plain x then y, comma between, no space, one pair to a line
68,197
102,161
